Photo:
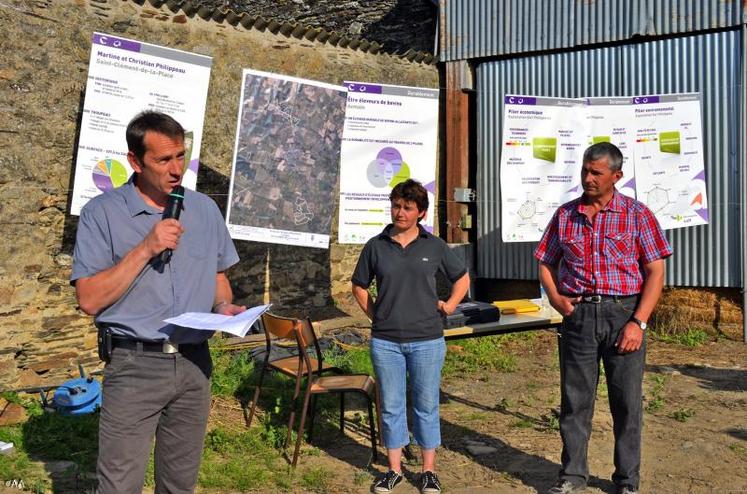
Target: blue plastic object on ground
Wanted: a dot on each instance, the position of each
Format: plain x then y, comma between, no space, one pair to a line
78,396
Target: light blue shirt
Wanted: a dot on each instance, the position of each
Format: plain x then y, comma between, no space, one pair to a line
112,224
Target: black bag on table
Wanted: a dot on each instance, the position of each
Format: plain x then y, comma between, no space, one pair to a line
471,313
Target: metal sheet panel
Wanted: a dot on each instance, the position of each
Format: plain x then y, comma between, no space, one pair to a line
488,28
704,256
566,75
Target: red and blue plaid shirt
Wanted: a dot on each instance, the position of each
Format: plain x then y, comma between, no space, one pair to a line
604,257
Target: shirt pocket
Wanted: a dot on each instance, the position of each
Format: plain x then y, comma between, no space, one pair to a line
619,246
573,249
197,244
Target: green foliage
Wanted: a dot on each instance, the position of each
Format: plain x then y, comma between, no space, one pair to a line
240,459
739,450
32,405
353,360
317,479
362,477
602,390
552,422
19,465
479,355
232,372
655,401
693,337
683,414
523,424
48,437
476,416
373,290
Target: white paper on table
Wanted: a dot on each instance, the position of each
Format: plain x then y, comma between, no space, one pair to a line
237,325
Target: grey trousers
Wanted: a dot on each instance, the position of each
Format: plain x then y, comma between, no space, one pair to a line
588,335
149,394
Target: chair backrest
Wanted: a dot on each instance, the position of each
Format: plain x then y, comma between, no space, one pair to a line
280,327
301,330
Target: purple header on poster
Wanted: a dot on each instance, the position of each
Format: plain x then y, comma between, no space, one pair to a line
356,87
114,42
519,100
645,100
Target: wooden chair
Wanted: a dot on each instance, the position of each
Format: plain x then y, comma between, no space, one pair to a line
304,366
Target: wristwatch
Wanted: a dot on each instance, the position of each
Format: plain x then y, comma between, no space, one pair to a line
640,323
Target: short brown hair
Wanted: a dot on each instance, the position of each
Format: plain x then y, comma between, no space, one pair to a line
413,191
150,121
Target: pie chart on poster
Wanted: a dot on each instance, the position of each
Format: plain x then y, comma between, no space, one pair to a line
388,169
109,174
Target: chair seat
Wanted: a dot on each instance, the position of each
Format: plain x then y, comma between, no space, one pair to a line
289,366
331,384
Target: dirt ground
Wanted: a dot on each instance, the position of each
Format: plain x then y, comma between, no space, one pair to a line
694,438
705,451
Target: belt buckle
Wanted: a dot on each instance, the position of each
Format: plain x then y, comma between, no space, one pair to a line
169,347
594,299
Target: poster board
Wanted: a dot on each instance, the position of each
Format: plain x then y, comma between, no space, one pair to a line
126,77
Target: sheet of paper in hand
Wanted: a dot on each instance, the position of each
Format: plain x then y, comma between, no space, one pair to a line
237,325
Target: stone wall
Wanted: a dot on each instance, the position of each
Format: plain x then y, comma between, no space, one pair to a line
46,47
398,25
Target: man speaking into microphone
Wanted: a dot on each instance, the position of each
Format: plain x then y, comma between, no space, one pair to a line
144,254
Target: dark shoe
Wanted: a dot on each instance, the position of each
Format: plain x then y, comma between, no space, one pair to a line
429,483
387,482
565,487
625,489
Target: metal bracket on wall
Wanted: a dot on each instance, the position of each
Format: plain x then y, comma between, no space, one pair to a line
462,194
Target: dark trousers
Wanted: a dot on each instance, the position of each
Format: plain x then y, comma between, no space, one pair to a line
588,335
149,394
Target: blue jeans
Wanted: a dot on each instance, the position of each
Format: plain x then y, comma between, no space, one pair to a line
393,363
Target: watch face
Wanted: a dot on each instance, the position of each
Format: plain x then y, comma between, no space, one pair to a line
640,323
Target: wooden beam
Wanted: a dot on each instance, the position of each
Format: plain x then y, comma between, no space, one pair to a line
457,150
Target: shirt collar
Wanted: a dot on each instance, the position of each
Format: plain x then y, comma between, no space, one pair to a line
385,233
134,201
615,204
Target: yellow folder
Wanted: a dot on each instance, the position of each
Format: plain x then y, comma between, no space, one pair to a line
516,306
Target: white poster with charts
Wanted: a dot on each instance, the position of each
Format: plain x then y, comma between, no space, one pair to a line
543,142
670,169
610,121
660,137
391,134
126,77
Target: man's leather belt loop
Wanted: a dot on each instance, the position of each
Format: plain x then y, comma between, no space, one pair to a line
598,299
152,346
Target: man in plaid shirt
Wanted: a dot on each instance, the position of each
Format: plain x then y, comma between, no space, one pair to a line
601,262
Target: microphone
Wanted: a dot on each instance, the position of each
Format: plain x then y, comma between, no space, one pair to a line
172,210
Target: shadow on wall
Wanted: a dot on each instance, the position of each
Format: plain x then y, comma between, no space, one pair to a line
299,277
71,222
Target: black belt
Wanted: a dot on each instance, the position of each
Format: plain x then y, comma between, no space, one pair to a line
153,346
599,299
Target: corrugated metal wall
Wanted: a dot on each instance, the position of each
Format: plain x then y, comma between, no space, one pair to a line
486,28
708,63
